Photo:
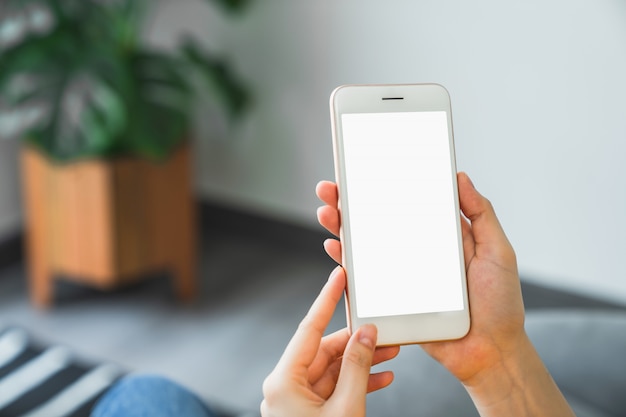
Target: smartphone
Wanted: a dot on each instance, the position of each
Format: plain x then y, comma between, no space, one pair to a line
400,220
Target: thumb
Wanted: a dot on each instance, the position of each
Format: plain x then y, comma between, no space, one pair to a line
356,364
487,232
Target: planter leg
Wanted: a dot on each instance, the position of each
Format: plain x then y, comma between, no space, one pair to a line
41,286
37,181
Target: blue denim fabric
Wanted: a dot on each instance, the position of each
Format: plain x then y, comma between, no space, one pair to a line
149,396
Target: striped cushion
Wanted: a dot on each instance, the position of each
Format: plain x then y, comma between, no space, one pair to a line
48,381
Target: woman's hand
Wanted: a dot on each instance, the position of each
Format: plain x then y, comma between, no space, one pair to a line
496,307
326,376
495,361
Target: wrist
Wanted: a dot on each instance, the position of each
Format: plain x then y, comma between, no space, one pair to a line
500,381
518,384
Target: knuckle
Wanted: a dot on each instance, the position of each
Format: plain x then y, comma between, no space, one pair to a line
487,204
309,325
359,357
270,389
274,390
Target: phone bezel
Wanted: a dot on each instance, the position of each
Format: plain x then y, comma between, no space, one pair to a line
382,98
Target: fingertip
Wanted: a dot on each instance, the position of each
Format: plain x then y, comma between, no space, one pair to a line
337,278
333,248
323,188
327,192
318,213
387,378
471,200
318,188
328,218
464,179
393,351
469,181
380,380
328,245
334,273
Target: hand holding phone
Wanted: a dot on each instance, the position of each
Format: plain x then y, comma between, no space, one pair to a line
496,355
399,207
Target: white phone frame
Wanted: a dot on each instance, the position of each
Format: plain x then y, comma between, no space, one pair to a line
414,328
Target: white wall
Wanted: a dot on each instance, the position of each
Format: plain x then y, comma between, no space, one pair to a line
539,103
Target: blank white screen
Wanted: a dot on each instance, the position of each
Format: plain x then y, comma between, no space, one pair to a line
402,218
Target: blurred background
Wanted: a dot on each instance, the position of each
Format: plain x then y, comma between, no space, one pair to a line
539,110
539,106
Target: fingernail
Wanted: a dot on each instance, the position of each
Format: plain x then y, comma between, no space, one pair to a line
367,335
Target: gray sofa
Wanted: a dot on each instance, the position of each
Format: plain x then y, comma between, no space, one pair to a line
585,351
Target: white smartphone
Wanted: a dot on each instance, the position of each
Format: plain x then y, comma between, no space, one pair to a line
400,219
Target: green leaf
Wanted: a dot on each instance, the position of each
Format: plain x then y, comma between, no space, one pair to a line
35,55
157,132
102,119
151,66
229,90
232,5
138,100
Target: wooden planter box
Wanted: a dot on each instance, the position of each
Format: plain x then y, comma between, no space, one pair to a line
107,223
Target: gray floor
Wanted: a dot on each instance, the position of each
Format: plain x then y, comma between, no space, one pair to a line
257,283
222,346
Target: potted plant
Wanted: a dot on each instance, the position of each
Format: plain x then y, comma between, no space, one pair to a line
106,164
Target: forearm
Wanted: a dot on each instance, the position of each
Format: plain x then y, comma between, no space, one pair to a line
519,385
